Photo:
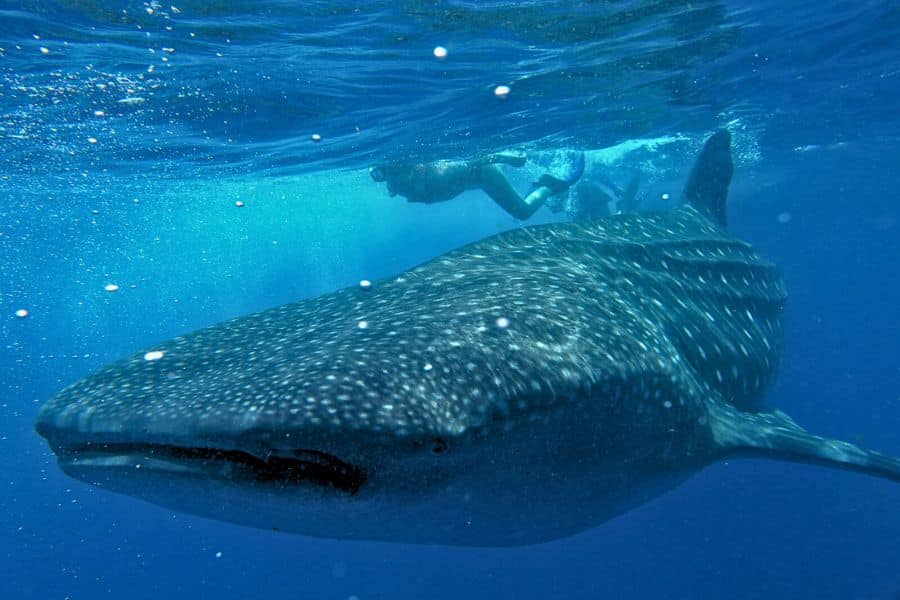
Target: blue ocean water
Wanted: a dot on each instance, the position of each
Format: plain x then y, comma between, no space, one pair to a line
128,131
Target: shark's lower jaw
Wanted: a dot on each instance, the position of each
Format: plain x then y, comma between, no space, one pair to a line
286,468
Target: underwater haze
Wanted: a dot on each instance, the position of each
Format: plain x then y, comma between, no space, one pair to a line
168,166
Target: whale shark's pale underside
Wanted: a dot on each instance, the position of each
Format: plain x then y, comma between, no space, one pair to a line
523,388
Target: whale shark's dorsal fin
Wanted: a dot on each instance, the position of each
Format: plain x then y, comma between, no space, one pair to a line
707,187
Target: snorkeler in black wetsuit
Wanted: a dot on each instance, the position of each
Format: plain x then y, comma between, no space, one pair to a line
596,195
443,180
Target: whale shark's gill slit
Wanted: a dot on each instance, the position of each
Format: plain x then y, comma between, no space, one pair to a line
288,468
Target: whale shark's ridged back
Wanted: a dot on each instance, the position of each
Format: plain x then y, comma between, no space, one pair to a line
727,310
718,301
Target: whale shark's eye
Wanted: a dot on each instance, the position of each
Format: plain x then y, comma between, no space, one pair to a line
438,446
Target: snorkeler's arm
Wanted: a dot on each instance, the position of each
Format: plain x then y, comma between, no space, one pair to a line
513,159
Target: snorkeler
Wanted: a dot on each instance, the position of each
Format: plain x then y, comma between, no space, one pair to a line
596,196
445,179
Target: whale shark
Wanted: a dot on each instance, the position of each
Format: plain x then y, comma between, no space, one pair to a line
520,389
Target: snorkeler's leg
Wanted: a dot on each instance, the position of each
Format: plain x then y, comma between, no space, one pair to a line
628,203
495,185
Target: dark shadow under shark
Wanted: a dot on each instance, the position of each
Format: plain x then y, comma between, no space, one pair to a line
521,389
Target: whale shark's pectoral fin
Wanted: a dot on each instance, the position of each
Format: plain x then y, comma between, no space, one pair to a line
707,187
776,435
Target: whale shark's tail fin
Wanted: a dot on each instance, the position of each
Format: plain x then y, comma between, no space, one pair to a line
776,435
707,187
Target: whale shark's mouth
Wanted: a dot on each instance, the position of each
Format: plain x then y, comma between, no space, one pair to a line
285,468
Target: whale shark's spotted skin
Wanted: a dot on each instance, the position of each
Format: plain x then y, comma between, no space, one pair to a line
423,355
517,390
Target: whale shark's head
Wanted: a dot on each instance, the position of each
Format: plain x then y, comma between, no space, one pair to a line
272,401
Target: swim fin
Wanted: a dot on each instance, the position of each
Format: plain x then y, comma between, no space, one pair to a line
572,172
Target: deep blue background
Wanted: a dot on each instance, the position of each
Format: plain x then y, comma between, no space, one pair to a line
745,529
